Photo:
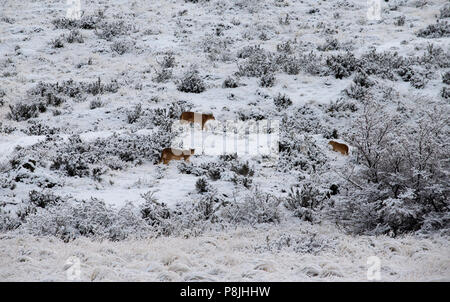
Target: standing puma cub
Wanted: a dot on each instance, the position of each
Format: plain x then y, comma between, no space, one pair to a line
193,117
338,147
169,154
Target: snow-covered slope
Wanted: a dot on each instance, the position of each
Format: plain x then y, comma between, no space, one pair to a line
86,107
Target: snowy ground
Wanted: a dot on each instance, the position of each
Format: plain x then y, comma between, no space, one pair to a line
315,253
208,36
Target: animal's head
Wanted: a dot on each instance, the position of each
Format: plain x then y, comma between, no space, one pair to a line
192,151
210,117
333,143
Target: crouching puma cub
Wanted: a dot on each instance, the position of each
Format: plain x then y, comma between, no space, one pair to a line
193,117
169,154
338,147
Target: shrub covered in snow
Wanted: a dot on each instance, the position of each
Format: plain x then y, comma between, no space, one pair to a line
191,82
54,94
38,128
289,64
415,75
258,64
267,80
75,36
97,103
43,199
306,201
122,46
134,114
8,67
360,87
202,185
187,218
300,154
434,57
256,208
8,222
163,75
299,151
446,78
217,46
227,168
108,30
445,11
2,94
161,117
312,63
445,92
399,21
249,51
21,111
342,65
282,101
57,43
382,64
286,47
440,29
231,82
168,61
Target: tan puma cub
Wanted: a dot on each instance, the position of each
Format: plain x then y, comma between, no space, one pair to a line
338,147
169,154
193,117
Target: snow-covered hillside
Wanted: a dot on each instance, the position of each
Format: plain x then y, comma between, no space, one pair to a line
87,105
